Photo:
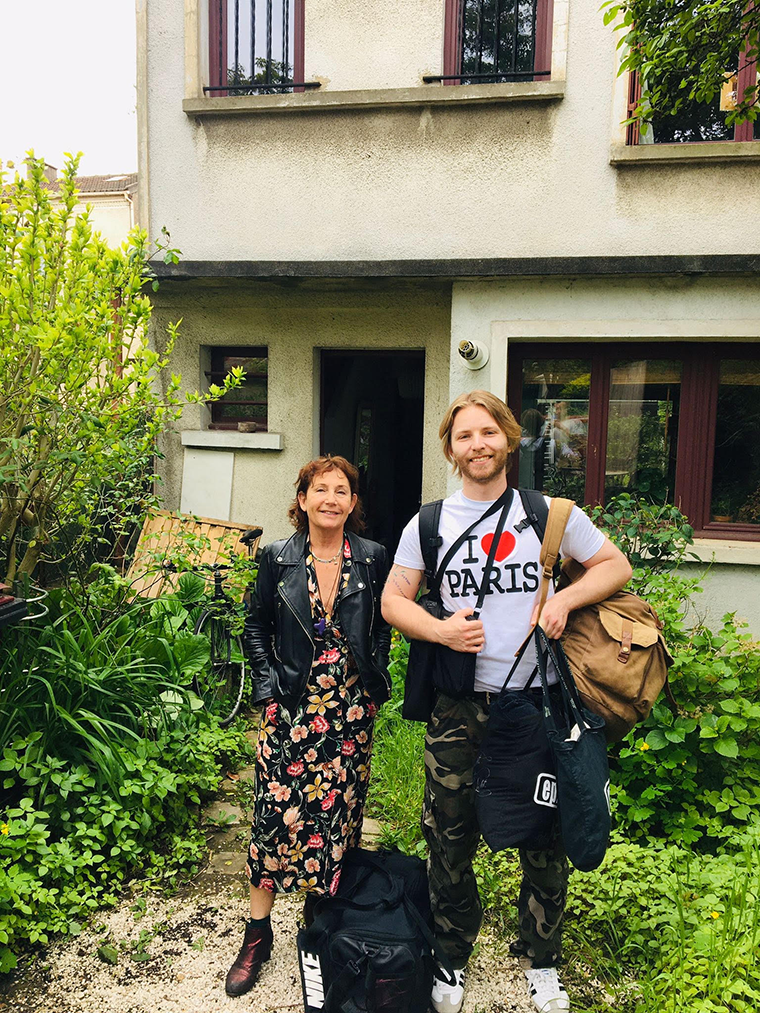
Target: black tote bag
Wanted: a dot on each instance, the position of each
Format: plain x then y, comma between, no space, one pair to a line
579,745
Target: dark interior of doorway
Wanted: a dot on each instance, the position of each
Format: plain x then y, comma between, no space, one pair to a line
372,409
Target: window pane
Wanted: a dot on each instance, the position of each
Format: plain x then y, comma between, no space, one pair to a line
736,470
642,429
554,420
695,121
498,37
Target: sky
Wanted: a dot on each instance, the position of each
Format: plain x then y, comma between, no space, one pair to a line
67,82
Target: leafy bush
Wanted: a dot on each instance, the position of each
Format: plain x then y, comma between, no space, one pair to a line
652,535
694,775
106,756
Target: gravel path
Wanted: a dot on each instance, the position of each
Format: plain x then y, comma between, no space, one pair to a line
155,954
193,942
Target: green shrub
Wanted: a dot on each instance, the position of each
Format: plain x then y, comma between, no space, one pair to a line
653,535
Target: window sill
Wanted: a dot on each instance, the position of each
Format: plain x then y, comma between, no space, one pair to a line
221,439
693,154
376,98
726,550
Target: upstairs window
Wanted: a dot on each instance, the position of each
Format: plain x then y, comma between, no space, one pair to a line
696,121
245,407
490,41
256,47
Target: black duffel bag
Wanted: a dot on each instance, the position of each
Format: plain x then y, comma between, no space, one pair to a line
371,948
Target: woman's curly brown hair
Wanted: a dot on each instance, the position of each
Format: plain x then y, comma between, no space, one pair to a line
311,471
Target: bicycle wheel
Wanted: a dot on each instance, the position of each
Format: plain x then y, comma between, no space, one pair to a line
220,685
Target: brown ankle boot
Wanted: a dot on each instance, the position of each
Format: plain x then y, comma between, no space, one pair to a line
256,949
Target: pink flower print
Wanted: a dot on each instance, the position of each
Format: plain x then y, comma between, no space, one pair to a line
331,656
279,791
266,751
283,850
326,681
329,802
253,851
348,748
355,713
346,549
334,883
371,709
362,737
288,881
319,724
266,884
290,815
271,864
298,732
311,865
271,712
310,755
337,852
315,841
294,769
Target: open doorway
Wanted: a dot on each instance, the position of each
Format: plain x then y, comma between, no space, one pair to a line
372,410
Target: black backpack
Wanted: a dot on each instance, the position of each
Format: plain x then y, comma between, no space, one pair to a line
418,690
370,948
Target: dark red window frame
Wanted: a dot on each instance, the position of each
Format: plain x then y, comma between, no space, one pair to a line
452,39
217,374
218,35
698,416
746,77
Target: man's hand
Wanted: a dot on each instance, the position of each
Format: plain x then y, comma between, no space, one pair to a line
462,634
553,617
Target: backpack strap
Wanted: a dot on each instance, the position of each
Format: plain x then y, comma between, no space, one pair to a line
536,512
430,540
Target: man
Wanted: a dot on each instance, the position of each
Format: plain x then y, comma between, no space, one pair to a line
478,435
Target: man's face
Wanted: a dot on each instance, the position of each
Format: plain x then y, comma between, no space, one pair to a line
478,446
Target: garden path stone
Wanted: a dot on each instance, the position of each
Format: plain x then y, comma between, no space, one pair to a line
225,813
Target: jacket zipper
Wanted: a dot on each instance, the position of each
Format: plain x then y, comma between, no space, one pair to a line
298,620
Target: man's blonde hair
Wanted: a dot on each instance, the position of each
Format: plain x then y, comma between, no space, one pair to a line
495,407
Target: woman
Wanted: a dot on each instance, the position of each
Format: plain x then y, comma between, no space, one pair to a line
318,647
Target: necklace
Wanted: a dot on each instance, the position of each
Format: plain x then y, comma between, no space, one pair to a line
327,562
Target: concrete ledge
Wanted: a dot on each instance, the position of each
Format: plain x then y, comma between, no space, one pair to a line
724,550
691,154
475,267
220,439
376,98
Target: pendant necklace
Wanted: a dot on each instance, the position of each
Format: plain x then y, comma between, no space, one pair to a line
327,562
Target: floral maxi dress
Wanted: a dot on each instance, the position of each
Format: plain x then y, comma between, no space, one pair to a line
312,770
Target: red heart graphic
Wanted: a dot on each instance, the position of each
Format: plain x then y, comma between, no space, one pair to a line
503,549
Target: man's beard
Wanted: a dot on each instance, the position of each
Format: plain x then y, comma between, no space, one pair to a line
498,464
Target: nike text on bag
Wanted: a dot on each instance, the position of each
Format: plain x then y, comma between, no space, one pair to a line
615,649
577,740
515,785
370,948
433,666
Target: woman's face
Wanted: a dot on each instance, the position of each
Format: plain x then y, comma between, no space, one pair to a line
328,501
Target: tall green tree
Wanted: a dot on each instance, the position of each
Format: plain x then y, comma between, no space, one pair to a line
686,50
83,394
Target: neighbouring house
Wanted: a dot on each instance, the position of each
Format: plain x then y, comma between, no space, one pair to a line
365,193
111,199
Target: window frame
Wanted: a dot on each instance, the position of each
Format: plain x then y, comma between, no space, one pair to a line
216,374
452,41
697,416
218,44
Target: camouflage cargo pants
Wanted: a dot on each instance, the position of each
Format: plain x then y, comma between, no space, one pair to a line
449,824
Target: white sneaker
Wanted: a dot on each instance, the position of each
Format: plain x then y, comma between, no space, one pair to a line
546,990
447,998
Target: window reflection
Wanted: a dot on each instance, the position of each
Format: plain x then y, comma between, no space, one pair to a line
554,420
642,428
736,469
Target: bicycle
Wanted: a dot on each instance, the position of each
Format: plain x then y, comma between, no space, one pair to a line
221,684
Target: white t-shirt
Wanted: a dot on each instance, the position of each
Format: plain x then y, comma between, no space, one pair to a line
515,577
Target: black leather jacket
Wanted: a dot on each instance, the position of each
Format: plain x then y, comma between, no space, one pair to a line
279,636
